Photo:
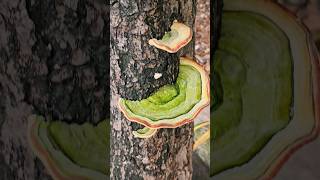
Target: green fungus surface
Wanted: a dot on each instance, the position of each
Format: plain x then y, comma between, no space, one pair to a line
169,36
171,101
73,150
251,90
84,144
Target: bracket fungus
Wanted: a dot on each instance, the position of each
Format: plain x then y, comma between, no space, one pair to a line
179,36
66,149
172,105
264,95
144,132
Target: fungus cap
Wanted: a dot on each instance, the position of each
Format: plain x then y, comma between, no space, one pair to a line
172,105
144,132
52,152
179,36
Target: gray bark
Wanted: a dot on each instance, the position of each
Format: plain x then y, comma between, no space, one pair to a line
53,63
168,155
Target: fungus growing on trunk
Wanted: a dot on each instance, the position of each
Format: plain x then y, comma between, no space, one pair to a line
66,149
144,132
179,36
261,96
172,105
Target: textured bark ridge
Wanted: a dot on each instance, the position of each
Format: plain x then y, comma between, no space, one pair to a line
168,154
68,79
52,62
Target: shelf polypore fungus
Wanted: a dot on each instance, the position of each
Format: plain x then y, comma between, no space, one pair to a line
172,105
144,132
66,149
290,99
179,36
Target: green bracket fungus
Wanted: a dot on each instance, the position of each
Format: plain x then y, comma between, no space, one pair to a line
66,149
269,78
144,132
172,105
179,36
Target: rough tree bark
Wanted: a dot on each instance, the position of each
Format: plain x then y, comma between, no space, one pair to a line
53,63
168,155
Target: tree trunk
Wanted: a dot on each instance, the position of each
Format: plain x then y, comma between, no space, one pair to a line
167,155
53,63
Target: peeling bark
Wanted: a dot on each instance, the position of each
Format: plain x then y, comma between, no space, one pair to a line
167,155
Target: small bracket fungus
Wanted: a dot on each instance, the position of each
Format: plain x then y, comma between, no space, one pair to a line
144,132
179,36
66,149
172,105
